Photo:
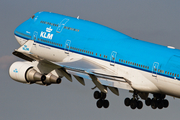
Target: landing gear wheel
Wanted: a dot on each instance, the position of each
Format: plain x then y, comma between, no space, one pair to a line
133,104
165,103
99,103
103,95
127,102
148,101
139,104
105,103
159,104
154,104
97,94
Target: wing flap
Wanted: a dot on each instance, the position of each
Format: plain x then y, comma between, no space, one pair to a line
114,83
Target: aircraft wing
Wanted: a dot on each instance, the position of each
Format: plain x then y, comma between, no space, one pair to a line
81,69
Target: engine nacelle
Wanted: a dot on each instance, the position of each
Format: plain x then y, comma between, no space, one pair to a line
23,72
50,79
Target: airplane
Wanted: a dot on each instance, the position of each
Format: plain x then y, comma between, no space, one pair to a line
56,46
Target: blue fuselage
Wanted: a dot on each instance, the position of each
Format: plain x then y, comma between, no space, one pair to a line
100,42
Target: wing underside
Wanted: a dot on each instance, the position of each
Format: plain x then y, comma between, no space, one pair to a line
81,69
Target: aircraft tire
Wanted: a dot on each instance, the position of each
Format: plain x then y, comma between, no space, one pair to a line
99,103
139,104
159,104
148,101
133,104
105,103
97,94
103,95
154,104
165,103
127,102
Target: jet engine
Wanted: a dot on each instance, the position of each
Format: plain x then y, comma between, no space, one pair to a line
50,79
25,73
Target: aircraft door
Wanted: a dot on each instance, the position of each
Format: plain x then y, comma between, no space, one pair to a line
67,46
61,25
113,58
35,34
155,69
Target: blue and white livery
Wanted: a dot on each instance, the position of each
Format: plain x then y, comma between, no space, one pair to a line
56,46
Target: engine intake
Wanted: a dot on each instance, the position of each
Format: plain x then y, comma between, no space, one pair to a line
23,72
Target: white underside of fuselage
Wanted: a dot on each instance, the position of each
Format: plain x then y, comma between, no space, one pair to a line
140,80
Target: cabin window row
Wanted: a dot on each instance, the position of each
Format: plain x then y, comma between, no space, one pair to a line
134,64
166,72
86,51
49,23
172,74
69,28
53,43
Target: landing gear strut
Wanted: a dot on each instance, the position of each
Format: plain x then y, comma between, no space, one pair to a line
101,102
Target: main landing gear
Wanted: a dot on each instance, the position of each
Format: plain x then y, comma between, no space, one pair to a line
158,101
133,102
102,102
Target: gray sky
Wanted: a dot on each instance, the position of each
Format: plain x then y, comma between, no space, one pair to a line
154,21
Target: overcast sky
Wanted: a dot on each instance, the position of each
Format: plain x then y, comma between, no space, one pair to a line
154,21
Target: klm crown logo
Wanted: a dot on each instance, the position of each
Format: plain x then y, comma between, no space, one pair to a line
48,29
25,48
47,34
15,71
